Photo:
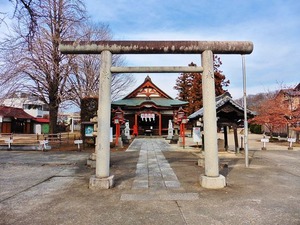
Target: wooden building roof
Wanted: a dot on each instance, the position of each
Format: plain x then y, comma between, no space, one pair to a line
228,111
148,94
12,112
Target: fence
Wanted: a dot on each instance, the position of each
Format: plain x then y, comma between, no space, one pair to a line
58,141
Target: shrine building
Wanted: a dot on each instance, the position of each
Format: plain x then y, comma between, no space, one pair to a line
148,109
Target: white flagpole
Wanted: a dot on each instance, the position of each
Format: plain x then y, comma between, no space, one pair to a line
245,113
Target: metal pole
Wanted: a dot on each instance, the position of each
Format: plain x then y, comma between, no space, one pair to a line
245,113
72,125
183,135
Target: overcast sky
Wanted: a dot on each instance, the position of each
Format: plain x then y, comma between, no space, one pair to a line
272,25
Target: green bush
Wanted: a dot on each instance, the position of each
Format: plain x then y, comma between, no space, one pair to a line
255,129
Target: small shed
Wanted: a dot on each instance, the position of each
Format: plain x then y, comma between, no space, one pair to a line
229,114
41,126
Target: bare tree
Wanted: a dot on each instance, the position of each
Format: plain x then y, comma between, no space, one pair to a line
84,80
36,63
27,9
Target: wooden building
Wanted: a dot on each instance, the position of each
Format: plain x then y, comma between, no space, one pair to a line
148,109
15,120
229,114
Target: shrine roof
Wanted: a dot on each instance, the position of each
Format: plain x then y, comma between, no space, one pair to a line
131,102
147,89
220,102
148,93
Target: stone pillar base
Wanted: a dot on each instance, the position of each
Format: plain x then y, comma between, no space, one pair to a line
93,156
213,182
201,161
101,183
169,137
91,163
120,143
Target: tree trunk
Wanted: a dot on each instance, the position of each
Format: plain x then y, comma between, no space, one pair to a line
53,112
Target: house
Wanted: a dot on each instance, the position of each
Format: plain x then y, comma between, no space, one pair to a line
148,109
30,104
15,120
290,97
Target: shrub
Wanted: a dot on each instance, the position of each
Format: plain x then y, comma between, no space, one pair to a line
255,129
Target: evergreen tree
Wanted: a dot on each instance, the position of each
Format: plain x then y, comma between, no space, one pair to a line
189,86
183,85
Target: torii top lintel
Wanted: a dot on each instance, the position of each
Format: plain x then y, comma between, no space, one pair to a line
156,47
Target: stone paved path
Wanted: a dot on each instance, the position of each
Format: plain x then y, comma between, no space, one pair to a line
153,171
154,174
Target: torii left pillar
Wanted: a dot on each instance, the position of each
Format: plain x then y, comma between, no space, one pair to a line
103,179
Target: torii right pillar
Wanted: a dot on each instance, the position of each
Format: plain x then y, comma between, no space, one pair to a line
211,179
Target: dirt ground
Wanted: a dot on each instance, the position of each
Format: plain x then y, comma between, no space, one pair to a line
69,146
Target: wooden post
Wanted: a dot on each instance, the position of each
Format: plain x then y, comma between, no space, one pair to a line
117,133
225,138
236,140
159,125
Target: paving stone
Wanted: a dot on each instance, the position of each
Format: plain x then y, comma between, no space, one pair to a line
140,184
160,197
172,184
155,174
170,177
143,171
153,170
141,165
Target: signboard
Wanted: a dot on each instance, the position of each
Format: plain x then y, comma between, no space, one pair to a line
196,134
43,142
8,141
45,145
88,130
291,139
78,142
264,140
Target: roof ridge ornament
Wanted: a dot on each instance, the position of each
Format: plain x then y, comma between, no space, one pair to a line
148,78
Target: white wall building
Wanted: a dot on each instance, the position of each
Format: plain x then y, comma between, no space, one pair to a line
30,105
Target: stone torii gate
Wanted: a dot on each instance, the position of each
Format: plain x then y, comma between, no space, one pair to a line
103,179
